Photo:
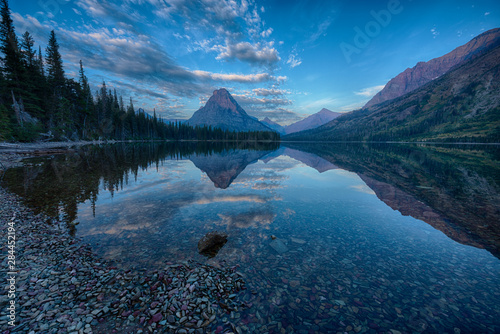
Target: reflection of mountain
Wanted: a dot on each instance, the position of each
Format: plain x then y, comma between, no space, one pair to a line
222,168
408,205
456,190
309,159
59,183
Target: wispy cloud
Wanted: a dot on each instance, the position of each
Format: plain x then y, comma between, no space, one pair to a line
370,91
321,30
434,32
294,60
487,13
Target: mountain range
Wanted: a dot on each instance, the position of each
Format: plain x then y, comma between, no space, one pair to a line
322,117
223,111
461,105
424,72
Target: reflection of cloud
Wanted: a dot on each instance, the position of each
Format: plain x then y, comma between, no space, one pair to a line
117,228
266,185
249,219
242,198
363,188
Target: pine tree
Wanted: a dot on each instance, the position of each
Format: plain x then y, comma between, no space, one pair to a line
40,62
55,71
12,65
29,54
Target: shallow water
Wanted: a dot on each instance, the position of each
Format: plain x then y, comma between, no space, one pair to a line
369,238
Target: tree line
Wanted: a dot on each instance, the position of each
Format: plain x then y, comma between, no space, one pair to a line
38,101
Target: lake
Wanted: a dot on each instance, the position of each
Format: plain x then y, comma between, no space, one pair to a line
329,237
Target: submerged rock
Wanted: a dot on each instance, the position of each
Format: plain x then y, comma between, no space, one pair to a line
279,246
211,243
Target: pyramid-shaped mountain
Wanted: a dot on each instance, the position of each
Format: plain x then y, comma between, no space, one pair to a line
222,111
315,120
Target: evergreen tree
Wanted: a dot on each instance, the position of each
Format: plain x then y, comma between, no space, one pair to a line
40,62
12,65
55,71
29,54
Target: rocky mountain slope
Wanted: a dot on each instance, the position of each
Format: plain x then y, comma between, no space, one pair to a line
322,117
273,125
222,111
424,72
462,105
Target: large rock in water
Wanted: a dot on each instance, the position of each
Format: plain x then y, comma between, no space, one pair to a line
211,243
222,111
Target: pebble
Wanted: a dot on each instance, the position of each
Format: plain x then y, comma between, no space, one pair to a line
113,298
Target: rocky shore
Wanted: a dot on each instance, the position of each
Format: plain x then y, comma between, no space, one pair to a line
62,287
11,154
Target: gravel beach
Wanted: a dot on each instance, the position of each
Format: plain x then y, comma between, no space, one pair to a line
62,287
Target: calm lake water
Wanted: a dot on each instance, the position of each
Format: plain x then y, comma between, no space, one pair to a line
376,237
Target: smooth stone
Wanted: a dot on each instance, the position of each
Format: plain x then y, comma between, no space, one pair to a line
279,246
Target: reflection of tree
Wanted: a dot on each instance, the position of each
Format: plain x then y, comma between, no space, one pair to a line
56,185
460,183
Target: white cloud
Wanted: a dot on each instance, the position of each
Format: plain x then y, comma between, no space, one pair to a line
294,60
487,13
246,100
255,54
241,78
267,33
369,91
434,32
269,92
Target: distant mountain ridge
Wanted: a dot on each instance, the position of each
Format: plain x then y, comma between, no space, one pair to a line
424,72
273,125
222,111
462,105
322,117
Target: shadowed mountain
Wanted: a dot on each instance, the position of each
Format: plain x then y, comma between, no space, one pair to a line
223,168
273,125
423,72
322,117
454,189
222,111
461,106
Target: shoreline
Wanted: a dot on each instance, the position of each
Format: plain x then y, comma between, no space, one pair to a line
61,286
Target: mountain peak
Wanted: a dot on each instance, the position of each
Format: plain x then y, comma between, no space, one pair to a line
424,72
222,111
325,111
321,117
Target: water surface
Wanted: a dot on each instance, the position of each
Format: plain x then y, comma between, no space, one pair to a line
368,237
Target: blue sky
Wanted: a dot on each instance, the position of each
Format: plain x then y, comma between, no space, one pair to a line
280,59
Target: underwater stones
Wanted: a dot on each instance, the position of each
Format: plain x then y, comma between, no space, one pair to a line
279,246
211,243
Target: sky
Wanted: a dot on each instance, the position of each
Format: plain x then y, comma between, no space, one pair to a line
279,59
